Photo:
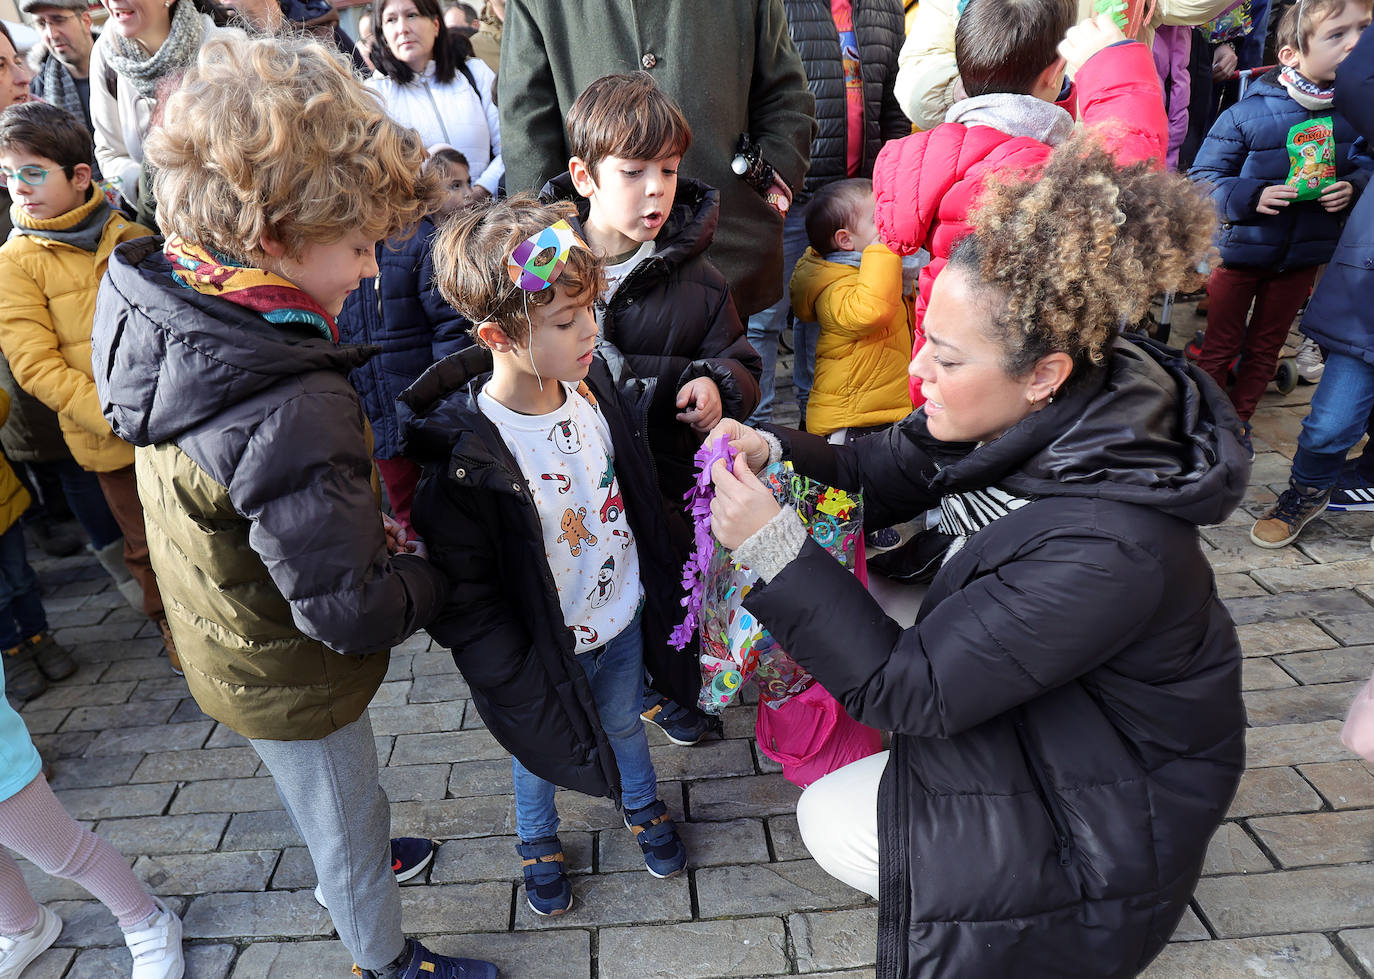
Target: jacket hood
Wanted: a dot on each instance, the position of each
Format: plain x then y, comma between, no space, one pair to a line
814,275
167,358
690,225
1147,428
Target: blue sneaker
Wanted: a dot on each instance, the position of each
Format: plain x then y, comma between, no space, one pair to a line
418,962
683,727
664,854
409,856
1351,493
547,888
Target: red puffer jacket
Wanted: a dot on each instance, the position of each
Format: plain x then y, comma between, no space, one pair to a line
926,184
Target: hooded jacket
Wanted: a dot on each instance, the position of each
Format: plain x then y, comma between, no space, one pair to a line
673,320
503,621
1246,151
1068,728
254,469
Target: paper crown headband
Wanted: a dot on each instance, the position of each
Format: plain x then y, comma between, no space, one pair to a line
525,268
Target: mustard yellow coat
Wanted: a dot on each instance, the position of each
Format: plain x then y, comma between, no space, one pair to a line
49,288
865,340
14,499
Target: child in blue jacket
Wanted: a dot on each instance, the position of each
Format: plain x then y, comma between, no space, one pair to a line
1280,166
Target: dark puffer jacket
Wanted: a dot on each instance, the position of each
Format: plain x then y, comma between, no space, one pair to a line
263,526
674,320
401,312
1247,151
1067,716
879,31
503,621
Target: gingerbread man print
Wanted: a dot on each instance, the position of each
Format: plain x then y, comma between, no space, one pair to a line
574,532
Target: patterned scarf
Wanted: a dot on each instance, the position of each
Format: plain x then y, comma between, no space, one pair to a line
265,293
964,514
1305,92
143,70
59,89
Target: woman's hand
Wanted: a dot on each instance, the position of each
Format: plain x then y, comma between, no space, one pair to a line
742,504
743,439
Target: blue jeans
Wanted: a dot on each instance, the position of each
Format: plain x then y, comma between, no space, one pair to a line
616,674
766,326
87,500
21,606
1340,413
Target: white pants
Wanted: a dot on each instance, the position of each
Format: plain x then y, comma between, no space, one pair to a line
838,819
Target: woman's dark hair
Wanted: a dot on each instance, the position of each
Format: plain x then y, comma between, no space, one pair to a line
6,31
451,51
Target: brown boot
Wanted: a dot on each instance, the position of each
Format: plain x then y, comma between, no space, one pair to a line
169,645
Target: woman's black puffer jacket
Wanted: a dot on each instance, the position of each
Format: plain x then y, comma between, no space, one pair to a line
1067,721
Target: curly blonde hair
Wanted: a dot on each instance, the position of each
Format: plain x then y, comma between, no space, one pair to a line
473,247
1077,248
274,136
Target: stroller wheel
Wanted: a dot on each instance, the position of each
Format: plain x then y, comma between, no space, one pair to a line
1286,377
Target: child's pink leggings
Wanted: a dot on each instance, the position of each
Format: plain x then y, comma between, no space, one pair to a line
34,825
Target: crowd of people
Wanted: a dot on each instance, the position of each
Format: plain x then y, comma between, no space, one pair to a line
516,265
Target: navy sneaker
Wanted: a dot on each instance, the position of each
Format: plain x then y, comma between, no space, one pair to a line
418,962
664,854
684,727
547,888
1351,493
1247,440
409,856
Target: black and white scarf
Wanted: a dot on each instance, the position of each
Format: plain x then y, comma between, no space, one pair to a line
964,514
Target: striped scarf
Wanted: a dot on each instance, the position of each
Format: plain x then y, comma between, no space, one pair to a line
266,293
964,514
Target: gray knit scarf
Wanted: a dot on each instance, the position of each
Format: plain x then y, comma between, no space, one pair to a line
178,51
59,88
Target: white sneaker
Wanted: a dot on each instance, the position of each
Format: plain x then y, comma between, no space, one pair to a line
156,946
1310,363
17,951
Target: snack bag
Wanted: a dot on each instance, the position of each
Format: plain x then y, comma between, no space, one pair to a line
1311,157
1232,24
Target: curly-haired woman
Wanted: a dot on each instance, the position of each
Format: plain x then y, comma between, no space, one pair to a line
1066,711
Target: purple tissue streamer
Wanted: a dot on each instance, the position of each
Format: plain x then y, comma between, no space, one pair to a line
698,507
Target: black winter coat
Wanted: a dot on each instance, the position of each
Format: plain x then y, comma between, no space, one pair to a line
674,320
503,621
1340,316
880,30
1067,721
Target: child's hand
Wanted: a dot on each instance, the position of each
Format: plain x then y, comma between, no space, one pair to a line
743,439
1086,38
1338,196
742,504
700,401
395,535
1274,197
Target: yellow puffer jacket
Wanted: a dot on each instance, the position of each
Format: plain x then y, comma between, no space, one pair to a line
49,286
14,499
865,340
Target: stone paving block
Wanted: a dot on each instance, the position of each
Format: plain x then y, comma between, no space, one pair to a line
472,717
1238,585
1273,957
156,835
456,908
1294,744
256,914
1336,665
412,783
473,778
694,950
1318,604
53,963
226,737
709,759
437,663
66,694
707,844
100,963
738,722
494,858
392,694
1300,705
1350,630
45,888
444,819
1263,674
417,719
117,800
138,668
291,959
89,924
85,773
45,721
1341,574
524,954
835,939
270,829
762,763
398,667
614,899
449,746
1315,899
1232,851
771,888
1235,552
209,961
119,716
228,795
418,643
1332,541
205,873
1286,636
1343,784
1360,941
187,711
578,811
65,745
161,687
1271,790
752,795
1319,837
786,838
186,766
154,737
440,687
295,870
1190,929
103,632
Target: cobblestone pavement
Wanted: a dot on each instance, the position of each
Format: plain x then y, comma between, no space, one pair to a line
1288,891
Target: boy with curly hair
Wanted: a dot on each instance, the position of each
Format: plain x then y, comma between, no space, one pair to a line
216,354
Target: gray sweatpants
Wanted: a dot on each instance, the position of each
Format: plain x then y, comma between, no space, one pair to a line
332,795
